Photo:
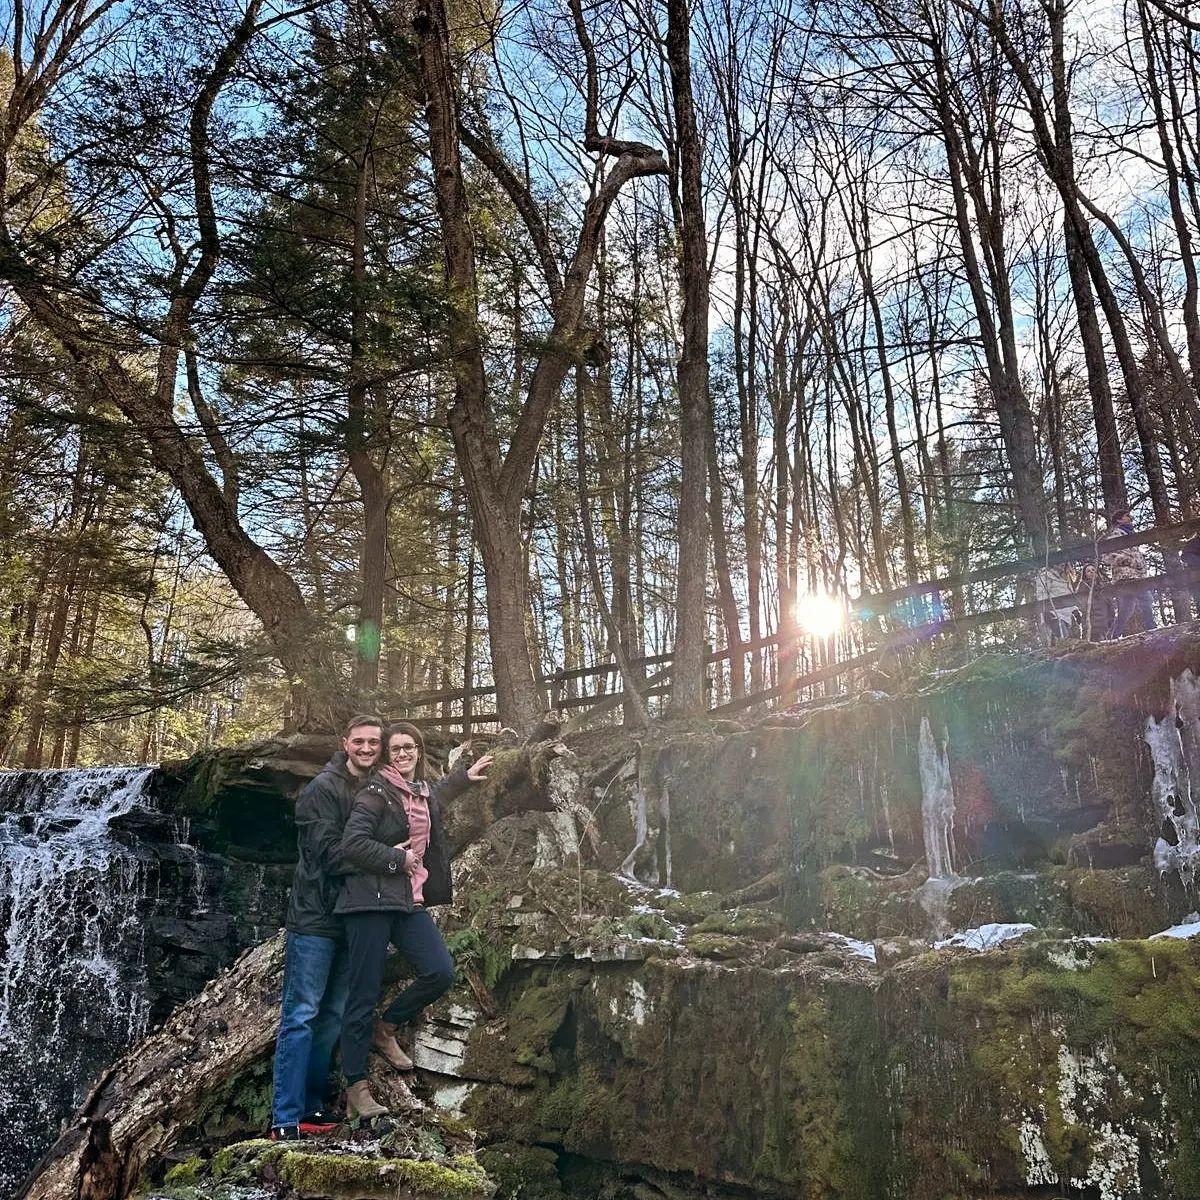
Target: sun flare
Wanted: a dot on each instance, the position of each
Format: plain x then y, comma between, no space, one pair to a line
821,614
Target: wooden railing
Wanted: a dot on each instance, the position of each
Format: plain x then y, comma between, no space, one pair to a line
868,610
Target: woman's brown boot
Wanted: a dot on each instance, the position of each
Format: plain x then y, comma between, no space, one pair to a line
360,1102
383,1041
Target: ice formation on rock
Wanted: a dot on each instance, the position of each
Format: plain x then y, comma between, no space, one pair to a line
1174,742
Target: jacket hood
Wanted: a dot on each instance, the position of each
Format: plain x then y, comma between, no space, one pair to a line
339,766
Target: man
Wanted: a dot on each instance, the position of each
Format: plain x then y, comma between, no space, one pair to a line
315,974
1126,565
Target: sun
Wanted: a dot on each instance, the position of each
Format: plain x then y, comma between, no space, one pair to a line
821,614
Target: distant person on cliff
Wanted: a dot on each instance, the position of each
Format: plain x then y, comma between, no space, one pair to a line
1125,565
316,967
1051,586
398,858
1097,610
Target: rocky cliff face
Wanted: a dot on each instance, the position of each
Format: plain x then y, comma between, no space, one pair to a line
891,946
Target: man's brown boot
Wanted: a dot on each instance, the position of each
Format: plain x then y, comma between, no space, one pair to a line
360,1102
383,1041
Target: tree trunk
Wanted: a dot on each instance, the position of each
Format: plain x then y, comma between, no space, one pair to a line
1108,442
687,681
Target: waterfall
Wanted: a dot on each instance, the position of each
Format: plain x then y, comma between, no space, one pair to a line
72,981
937,827
1174,742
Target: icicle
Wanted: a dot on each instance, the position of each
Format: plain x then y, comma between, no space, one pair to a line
937,804
1174,742
937,826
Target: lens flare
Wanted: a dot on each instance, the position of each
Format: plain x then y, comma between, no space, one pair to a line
821,614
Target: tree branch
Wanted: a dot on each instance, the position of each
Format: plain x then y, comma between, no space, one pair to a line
518,192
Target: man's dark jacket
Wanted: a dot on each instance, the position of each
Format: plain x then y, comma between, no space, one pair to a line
374,880
321,812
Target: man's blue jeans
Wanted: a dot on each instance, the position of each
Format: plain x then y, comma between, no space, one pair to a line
315,981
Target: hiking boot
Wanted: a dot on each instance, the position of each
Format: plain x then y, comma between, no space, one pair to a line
286,1133
383,1041
316,1124
360,1102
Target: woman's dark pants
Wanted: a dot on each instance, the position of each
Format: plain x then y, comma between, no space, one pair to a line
418,939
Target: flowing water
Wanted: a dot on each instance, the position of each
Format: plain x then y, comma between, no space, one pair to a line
73,987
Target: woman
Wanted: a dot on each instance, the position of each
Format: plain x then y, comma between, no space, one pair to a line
394,848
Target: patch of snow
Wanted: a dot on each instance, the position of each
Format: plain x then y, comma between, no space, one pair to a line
986,937
861,949
1188,928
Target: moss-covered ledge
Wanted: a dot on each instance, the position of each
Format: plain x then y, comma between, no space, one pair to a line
330,1170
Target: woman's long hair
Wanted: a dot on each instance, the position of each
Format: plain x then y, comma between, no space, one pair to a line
414,733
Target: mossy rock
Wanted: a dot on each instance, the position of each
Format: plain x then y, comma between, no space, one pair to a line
358,1177
690,908
758,924
634,925
1125,902
719,946
346,1176
522,1172
519,1050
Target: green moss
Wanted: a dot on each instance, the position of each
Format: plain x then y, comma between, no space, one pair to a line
357,1177
757,924
1115,903
717,945
241,1161
1135,1000
633,925
350,1176
185,1174
532,1020
692,907
522,1172
508,786
818,1115
1146,988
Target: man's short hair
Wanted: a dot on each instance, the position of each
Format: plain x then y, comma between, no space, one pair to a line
362,719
